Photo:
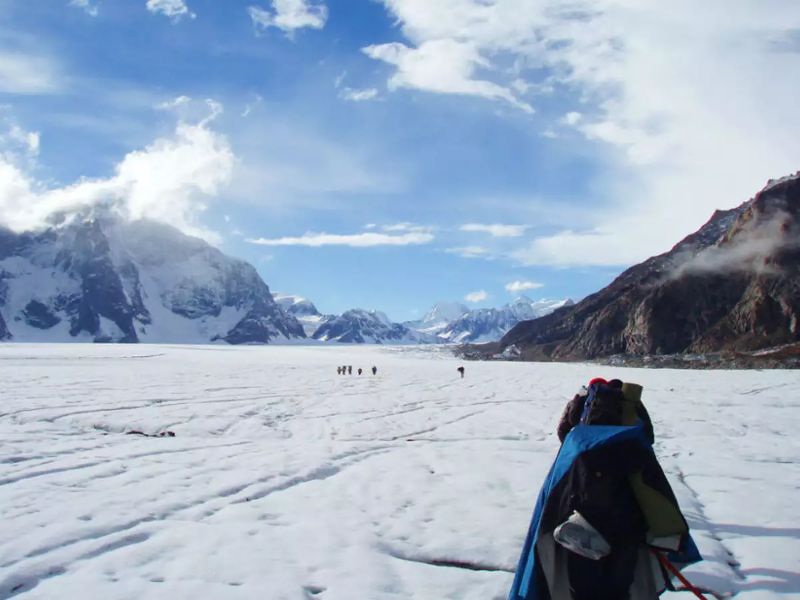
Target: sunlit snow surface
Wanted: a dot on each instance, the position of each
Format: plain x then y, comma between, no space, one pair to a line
286,480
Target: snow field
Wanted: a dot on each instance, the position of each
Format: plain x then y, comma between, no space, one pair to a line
288,481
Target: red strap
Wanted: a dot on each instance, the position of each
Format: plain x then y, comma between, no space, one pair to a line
674,570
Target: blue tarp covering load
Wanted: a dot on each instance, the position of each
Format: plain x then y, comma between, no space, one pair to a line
610,474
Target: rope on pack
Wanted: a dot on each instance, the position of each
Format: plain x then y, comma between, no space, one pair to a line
675,571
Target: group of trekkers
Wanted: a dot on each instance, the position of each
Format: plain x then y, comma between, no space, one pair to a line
606,525
348,370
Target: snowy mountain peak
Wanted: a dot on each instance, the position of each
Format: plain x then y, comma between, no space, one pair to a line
296,305
361,326
95,277
444,311
482,324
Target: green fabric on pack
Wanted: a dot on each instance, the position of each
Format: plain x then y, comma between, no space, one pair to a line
663,518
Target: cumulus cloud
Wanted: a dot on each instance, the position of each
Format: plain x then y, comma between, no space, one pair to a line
475,297
445,66
691,112
88,6
496,230
174,9
357,240
515,287
169,180
290,15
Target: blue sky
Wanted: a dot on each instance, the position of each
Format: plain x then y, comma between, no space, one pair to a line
392,153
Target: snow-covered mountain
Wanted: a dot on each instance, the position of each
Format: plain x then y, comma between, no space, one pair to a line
359,326
303,310
438,318
490,324
94,277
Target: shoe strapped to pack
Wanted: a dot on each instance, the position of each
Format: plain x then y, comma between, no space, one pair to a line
577,535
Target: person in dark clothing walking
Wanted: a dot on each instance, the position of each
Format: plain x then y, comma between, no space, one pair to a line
359,371
575,407
461,371
349,369
374,370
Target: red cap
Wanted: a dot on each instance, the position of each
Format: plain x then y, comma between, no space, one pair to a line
598,380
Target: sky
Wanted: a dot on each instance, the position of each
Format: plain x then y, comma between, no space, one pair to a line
389,154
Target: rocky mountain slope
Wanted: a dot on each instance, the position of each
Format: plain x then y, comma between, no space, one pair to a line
734,285
96,278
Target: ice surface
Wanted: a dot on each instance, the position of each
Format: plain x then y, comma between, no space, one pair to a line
288,481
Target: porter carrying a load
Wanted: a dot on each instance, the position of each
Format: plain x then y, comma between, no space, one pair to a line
606,524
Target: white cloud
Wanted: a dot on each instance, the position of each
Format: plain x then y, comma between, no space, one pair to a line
167,181
174,103
470,251
691,111
22,73
17,141
444,66
174,9
88,6
475,297
496,230
358,240
515,287
355,95
572,118
405,226
290,15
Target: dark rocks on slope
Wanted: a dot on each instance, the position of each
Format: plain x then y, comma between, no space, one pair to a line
732,285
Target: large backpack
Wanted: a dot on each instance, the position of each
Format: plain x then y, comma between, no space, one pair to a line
604,406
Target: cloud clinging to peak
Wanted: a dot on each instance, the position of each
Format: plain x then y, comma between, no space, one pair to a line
169,180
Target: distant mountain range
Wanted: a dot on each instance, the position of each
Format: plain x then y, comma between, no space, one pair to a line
734,285
93,277
446,322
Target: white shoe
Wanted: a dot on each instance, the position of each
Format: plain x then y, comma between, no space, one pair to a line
577,535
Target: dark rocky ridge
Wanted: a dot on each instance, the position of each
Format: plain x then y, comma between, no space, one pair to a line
734,285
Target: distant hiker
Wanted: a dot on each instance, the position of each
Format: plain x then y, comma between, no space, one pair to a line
609,400
374,370
461,371
359,371
349,369
338,370
606,512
